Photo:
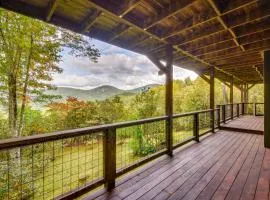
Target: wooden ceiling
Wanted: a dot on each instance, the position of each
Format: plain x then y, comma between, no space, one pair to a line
227,34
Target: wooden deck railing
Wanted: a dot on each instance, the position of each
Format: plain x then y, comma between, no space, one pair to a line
231,111
67,164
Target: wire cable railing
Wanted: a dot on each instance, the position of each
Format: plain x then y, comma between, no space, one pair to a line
66,164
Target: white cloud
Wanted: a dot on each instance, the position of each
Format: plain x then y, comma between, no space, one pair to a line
116,67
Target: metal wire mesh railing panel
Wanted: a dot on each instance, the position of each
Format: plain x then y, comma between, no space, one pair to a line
217,118
249,108
240,109
134,143
228,110
221,114
183,129
205,121
259,109
234,110
47,170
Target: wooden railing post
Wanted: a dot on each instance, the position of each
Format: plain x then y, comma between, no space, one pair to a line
237,108
109,146
213,120
243,108
196,127
224,113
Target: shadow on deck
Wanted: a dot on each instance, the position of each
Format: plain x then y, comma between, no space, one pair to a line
224,165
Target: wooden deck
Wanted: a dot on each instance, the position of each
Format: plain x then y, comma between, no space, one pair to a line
225,165
246,124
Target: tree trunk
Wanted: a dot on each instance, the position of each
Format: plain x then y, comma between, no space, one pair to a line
12,102
25,87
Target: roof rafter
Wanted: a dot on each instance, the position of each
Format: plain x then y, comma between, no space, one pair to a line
215,8
174,8
128,6
50,9
118,31
90,20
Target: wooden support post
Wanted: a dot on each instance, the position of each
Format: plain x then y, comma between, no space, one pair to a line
169,99
109,146
267,98
196,127
243,108
254,109
231,97
212,97
242,93
237,109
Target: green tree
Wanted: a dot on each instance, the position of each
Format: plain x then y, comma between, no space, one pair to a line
30,51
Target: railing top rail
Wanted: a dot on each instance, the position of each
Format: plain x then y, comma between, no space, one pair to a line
35,139
192,113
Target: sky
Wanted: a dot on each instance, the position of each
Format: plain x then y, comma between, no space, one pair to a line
116,67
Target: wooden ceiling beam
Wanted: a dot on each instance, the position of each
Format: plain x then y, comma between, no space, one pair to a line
228,8
197,34
238,30
175,7
213,39
128,6
236,58
258,71
240,64
202,18
258,45
50,9
90,20
256,37
214,48
118,31
141,41
259,13
157,63
216,9
253,27
188,24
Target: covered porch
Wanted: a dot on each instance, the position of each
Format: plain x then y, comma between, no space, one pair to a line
206,154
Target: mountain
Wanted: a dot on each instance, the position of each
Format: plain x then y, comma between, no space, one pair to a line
98,93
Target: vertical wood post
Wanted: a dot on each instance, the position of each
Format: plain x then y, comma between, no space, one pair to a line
212,97
254,109
242,93
196,127
267,98
169,99
109,146
237,109
231,97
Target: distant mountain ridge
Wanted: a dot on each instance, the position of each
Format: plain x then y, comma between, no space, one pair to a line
98,93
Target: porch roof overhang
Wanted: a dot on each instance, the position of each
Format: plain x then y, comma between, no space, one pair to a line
228,35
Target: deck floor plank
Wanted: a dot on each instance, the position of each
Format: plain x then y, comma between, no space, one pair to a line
225,165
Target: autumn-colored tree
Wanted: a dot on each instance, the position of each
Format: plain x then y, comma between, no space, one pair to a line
30,51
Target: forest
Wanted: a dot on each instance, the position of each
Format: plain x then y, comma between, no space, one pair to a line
30,52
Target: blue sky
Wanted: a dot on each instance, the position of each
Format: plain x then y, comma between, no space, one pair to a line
116,66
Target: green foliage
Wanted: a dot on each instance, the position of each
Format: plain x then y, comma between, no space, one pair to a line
140,145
